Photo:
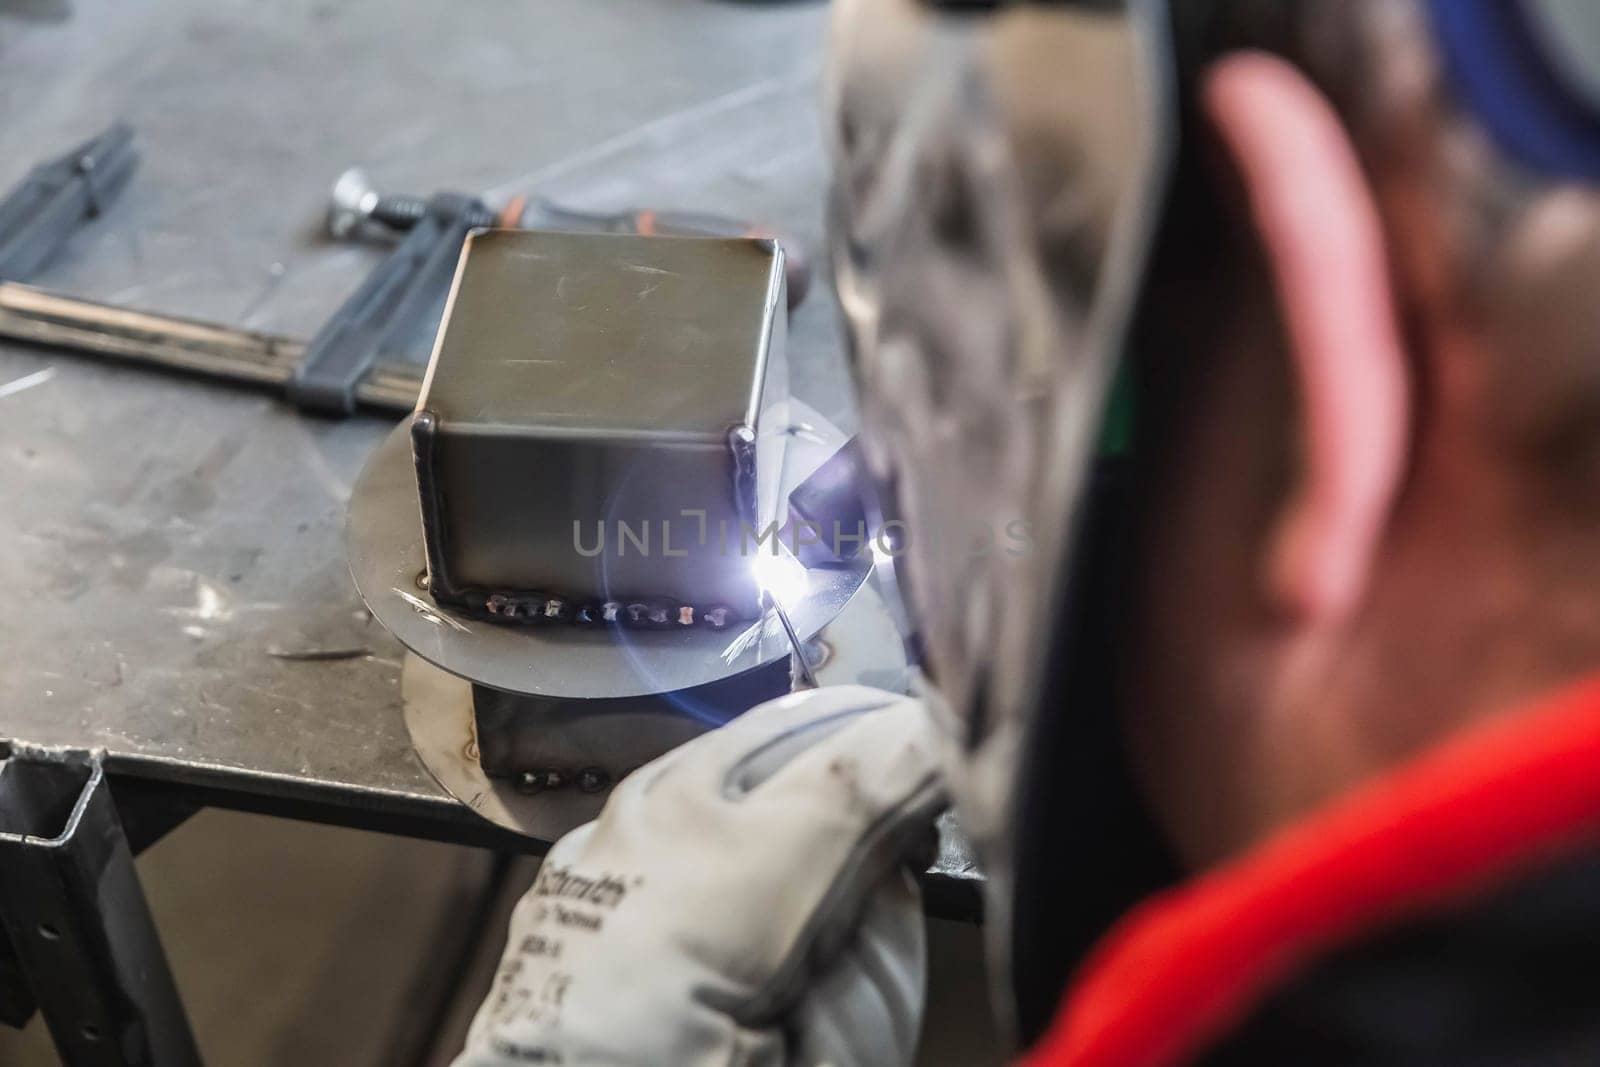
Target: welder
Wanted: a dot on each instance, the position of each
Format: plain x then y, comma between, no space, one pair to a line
1275,323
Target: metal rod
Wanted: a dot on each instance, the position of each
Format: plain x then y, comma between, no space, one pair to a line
175,343
802,668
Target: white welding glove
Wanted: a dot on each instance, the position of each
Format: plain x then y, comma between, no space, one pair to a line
742,900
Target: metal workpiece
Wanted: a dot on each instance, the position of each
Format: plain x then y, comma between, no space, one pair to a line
520,734
618,384
543,767
530,716
604,419
388,563
540,768
80,932
565,392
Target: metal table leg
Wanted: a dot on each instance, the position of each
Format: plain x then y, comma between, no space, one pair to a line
80,931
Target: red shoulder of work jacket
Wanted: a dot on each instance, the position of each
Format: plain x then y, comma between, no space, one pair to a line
1182,969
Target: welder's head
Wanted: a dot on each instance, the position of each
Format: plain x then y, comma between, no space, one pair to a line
1339,254
1366,515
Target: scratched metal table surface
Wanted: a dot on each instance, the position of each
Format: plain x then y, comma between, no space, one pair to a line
173,585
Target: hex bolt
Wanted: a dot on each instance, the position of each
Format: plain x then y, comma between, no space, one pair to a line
593,779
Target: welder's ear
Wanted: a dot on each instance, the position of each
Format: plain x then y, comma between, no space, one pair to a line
1318,225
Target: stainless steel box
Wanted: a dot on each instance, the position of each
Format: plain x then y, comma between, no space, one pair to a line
602,425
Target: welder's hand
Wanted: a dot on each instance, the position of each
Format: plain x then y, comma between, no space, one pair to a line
743,900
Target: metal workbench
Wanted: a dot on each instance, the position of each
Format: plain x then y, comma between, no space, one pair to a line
171,551
172,568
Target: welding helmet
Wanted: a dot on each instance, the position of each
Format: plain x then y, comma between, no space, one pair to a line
1002,172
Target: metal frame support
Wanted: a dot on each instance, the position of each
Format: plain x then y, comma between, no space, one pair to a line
80,931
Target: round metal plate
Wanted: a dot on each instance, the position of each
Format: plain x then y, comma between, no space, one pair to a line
863,647
384,541
438,711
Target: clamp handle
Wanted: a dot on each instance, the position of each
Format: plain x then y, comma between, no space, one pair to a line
55,198
389,306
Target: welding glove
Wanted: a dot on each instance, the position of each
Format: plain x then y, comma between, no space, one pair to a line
744,900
